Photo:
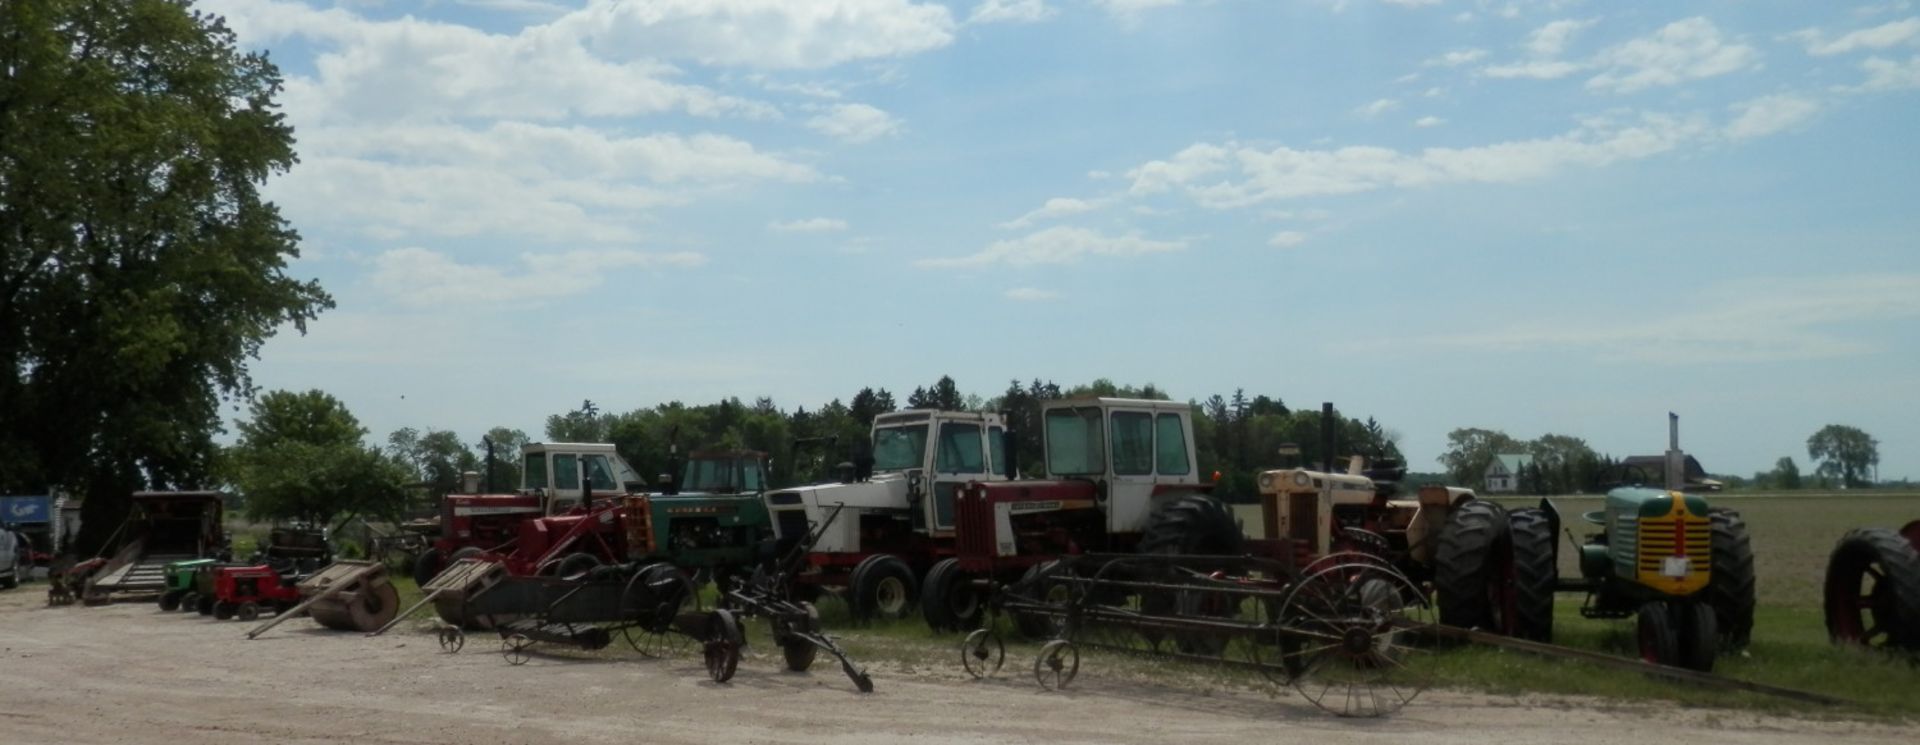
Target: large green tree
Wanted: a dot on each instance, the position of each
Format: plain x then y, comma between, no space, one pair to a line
1471,449
300,457
140,270
1844,454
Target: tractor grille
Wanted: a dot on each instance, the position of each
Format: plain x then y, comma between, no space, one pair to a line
792,524
1661,537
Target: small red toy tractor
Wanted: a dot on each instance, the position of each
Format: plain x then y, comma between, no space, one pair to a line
244,592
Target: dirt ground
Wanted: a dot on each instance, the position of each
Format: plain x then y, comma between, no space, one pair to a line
129,674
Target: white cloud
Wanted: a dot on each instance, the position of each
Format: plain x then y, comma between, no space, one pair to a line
1891,75
1130,10
1550,40
1232,176
425,278
1690,49
1429,121
1769,114
760,33
1287,239
532,7
1535,69
1056,245
1378,107
1456,58
1755,320
1885,35
1030,294
1011,11
855,122
1435,92
809,225
1053,208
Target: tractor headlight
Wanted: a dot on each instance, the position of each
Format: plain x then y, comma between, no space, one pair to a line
1266,481
1300,478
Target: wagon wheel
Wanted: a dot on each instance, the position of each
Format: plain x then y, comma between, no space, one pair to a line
452,639
1344,636
722,646
1056,664
982,653
514,648
654,596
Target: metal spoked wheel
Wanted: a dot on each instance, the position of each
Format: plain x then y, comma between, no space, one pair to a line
514,648
1345,636
982,653
452,639
1056,664
655,596
722,646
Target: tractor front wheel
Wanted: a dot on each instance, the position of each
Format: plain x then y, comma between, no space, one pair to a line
248,612
1699,636
947,601
1659,645
1873,590
170,600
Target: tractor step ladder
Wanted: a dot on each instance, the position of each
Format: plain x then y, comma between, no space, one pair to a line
336,578
468,576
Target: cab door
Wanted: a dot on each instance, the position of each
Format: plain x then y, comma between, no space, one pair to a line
1130,471
959,455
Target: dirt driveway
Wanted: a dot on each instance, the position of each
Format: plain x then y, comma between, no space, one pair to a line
130,674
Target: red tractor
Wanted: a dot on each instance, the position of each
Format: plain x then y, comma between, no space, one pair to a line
1122,478
244,592
551,477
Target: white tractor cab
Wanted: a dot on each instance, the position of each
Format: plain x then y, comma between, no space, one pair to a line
553,471
893,517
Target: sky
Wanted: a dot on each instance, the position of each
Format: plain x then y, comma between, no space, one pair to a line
1533,216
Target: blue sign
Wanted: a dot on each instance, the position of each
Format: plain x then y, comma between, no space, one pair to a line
25,510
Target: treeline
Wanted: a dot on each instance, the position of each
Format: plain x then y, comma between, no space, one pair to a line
1236,435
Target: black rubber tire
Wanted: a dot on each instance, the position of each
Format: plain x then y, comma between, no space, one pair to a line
933,591
1655,633
1896,597
428,565
1699,635
1730,588
204,605
247,612
578,564
170,600
1037,627
871,576
189,602
1535,573
465,552
223,611
1195,524
1473,546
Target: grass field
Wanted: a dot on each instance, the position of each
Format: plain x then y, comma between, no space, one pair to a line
1792,536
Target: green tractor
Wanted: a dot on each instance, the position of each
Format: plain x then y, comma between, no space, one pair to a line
1661,554
178,589
713,521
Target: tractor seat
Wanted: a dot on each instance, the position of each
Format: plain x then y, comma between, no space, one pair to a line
1597,517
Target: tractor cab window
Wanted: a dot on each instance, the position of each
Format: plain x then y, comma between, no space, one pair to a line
534,474
601,473
1076,442
753,480
899,448
997,449
566,472
1132,443
960,449
1170,451
708,475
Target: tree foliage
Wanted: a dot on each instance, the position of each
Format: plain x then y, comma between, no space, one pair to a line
140,270
300,457
1844,454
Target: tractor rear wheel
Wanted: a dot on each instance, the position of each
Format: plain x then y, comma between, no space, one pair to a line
1046,588
1730,589
1472,566
428,565
1699,636
1195,524
883,587
170,600
1535,574
1658,643
946,601
1873,590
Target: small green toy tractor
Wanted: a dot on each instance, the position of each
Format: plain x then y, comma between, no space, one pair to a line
178,577
1661,554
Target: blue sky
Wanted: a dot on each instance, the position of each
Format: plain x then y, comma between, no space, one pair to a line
1549,216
